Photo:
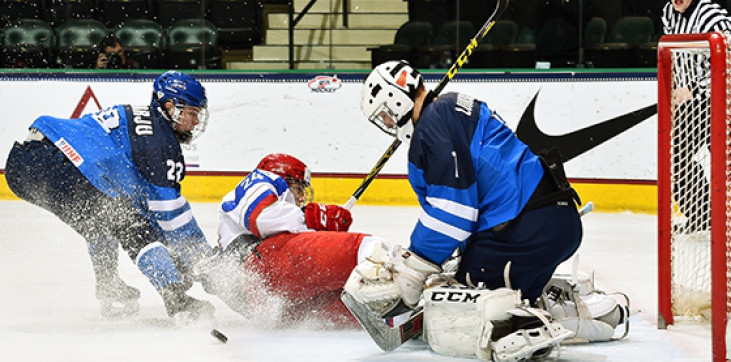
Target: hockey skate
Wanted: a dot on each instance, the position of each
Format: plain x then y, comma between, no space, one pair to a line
533,336
184,309
116,298
591,314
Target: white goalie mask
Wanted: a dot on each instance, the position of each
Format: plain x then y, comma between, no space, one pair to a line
387,98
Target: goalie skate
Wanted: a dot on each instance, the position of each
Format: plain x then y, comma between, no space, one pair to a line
534,344
591,314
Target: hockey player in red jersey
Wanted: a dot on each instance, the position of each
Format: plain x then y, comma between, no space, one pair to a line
286,244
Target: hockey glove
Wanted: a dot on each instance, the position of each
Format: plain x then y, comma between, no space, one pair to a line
384,279
327,217
410,272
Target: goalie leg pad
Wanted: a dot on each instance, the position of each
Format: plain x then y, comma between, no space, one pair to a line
457,319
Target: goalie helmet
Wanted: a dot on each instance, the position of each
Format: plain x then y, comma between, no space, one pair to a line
292,170
389,92
183,91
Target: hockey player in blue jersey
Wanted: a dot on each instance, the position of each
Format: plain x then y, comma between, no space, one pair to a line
114,177
511,214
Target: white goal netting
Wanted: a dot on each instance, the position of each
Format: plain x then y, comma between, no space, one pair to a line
690,164
694,168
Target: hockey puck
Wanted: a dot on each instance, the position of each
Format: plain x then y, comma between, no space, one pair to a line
219,336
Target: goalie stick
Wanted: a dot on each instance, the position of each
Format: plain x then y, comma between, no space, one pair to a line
389,338
500,7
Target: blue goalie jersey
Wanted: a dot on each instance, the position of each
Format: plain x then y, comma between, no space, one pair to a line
129,152
469,171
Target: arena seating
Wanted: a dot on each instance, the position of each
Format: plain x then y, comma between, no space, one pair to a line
143,41
27,43
239,25
143,26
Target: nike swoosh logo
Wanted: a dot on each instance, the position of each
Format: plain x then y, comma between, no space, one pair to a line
580,141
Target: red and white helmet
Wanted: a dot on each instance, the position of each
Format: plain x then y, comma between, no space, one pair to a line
292,170
390,90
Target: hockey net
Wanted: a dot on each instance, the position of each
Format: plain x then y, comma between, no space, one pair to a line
694,257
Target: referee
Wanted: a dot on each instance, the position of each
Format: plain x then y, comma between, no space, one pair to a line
694,16
691,95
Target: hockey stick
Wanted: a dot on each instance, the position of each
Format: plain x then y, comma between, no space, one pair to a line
500,7
389,338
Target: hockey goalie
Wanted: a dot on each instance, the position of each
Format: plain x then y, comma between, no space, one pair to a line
509,211
473,321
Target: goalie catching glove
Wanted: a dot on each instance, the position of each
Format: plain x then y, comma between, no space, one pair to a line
387,280
321,217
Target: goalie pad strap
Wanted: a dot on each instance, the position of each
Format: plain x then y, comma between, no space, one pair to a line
592,315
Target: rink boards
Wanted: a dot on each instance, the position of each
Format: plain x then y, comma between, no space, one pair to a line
316,117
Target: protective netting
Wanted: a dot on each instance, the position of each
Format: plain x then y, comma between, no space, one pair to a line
690,167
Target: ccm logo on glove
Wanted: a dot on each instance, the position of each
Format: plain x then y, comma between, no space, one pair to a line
327,217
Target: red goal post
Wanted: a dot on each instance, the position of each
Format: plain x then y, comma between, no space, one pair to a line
694,257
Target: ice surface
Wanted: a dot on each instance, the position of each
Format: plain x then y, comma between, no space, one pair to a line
48,311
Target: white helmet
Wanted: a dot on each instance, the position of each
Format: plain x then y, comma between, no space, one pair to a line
390,91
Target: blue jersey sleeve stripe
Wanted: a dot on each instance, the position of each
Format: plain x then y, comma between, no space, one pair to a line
448,218
443,228
452,207
467,196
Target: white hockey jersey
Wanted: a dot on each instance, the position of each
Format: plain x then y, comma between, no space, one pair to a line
261,205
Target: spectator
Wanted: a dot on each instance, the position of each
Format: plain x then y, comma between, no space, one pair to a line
112,55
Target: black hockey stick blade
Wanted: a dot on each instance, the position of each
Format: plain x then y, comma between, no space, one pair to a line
500,7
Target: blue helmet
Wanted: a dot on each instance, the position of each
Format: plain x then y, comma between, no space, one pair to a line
182,90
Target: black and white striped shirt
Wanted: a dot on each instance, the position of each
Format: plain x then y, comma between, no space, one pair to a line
703,16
